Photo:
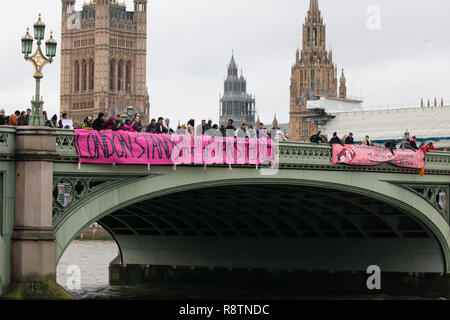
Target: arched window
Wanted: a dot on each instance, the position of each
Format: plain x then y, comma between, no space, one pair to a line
76,86
112,74
120,76
315,37
91,74
84,76
128,77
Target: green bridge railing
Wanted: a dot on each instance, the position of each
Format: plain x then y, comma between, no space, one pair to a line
293,155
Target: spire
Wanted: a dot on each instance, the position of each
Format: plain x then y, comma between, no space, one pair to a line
275,121
232,67
314,5
343,87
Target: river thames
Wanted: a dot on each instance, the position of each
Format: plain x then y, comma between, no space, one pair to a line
90,259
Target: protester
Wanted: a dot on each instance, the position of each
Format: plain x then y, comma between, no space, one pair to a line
151,128
182,130
53,122
65,116
160,128
317,138
87,124
98,123
242,131
128,126
3,118
336,140
167,126
117,124
229,127
12,121
391,145
367,142
22,119
190,127
109,124
251,133
260,131
137,125
413,143
430,147
349,139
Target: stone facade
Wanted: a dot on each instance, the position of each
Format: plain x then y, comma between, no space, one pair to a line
103,67
236,103
313,75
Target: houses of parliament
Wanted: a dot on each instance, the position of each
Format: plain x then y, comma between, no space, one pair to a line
103,67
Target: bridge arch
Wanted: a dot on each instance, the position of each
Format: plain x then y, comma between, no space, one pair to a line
382,187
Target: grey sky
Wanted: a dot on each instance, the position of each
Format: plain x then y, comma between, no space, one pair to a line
190,44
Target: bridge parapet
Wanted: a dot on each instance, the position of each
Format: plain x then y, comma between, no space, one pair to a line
7,141
292,155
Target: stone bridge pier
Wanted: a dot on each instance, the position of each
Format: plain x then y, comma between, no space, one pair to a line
33,241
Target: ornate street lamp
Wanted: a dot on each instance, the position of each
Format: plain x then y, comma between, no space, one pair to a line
39,60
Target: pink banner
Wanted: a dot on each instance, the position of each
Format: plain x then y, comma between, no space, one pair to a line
370,156
120,147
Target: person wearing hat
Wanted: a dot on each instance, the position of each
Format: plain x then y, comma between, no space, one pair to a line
413,143
87,124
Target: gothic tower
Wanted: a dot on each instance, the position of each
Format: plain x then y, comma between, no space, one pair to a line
236,103
343,87
313,75
103,68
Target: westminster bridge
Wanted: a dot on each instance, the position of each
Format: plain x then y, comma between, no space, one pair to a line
308,215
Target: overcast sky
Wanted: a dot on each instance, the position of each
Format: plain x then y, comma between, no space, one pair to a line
190,44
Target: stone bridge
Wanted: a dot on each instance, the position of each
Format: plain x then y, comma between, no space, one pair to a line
309,215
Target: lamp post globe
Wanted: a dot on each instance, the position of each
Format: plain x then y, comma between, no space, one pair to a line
50,46
39,29
27,43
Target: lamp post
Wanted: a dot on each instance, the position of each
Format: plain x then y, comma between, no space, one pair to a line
39,60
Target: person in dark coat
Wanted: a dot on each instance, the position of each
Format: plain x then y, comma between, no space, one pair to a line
151,128
317,138
230,127
117,124
3,118
22,120
413,143
391,145
350,139
98,123
336,140
160,128
137,125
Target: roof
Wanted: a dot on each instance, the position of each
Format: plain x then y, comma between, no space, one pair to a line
427,124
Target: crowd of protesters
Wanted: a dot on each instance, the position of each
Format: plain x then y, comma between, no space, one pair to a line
163,126
407,143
